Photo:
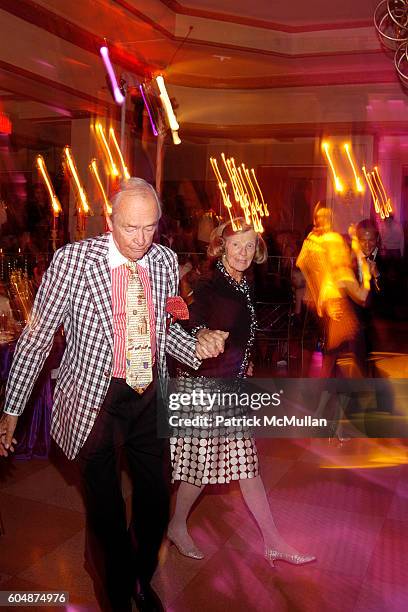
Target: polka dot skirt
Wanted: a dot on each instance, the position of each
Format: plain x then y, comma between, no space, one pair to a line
214,460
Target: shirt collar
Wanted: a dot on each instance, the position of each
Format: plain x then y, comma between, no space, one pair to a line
116,258
373,255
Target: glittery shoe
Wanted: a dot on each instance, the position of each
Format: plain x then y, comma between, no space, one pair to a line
296,559
193,552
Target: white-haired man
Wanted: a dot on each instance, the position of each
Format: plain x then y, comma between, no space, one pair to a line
110,295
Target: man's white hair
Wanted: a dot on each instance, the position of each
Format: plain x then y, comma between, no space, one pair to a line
137,187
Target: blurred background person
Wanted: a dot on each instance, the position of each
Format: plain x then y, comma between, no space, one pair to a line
394,273
367,262
3,215
39,217
332,288
206,223
392,237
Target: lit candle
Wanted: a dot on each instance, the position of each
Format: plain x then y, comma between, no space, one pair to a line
125,171
93,167
55,204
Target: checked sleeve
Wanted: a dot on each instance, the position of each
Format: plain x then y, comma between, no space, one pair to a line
51,306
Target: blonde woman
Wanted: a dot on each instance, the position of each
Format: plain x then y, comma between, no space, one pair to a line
223,301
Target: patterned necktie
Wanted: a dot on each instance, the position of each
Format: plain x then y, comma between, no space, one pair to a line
138,346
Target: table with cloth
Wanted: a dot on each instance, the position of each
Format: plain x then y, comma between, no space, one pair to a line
33,427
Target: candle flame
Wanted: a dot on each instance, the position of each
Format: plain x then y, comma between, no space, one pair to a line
55,203
105,146
93,166
125,171
244,190
337,182
164,97
357,179
74,174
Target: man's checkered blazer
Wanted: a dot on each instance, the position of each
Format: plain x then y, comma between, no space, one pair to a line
76,292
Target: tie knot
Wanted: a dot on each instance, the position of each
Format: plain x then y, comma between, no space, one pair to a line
132,267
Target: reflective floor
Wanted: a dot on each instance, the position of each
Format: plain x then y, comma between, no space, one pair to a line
347,504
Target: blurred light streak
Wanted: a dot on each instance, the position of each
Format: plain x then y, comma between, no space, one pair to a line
125,171
389,207
359,185
254,196
164,97
372,190
93,167
250,204
244,188
74,173
245,193
369,454
149,112
257,203
119,97
337,182
380,183
108,154
266,211
223,188
176,137
242,195
384,209
228,166
55,203
5,124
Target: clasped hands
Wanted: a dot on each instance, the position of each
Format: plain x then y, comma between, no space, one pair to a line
210,343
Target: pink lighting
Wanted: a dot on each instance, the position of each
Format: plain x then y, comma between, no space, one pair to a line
155,132
119,97
5,124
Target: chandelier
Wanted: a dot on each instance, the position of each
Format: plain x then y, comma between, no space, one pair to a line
391,23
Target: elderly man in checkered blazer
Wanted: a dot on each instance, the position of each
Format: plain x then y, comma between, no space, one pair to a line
97,417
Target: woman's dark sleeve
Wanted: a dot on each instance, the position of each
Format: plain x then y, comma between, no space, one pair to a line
199,310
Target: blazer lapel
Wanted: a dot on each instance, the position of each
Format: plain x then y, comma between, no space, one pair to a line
158,281
99,281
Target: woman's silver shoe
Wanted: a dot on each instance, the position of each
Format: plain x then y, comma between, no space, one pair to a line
295,559
193,552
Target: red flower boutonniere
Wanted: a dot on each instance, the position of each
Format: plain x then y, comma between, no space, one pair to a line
176,308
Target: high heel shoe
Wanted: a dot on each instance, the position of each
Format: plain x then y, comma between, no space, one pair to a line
193,552
295,559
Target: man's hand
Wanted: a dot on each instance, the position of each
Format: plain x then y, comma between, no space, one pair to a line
8,424
210,343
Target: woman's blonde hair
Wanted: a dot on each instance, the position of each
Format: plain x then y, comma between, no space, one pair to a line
216,247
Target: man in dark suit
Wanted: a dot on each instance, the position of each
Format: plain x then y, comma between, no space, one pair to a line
98,414
368,241
368,257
